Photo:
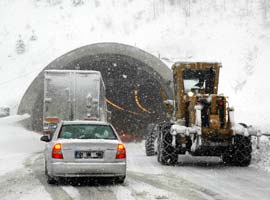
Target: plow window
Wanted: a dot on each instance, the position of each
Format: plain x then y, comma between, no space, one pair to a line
199,79
189,84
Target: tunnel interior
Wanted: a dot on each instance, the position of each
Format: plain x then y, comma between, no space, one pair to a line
133,94
133,86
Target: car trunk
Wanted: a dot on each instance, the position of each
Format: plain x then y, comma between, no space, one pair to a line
89,150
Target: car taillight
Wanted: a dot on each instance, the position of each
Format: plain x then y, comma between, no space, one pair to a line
121,151
57,151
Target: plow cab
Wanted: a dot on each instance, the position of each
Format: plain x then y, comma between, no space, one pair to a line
196,86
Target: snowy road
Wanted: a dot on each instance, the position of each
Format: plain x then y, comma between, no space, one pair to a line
22,175
193,179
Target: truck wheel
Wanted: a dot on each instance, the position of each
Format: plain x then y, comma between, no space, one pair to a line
120,179
150,143
242,149
166,152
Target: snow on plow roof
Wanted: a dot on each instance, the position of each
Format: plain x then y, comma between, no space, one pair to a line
196,62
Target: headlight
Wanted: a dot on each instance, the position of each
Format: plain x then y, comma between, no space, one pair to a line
190,94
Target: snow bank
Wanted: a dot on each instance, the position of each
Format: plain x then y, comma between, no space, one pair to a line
261,156
16,143
13,120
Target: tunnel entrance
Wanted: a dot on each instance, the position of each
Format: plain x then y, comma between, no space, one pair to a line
133,81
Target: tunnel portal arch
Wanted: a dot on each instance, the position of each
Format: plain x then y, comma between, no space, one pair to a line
124,69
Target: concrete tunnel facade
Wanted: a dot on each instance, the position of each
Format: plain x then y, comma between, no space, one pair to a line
124,69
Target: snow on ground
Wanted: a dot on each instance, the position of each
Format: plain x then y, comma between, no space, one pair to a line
140,190
72,191
208,178
18,150
197,178
261,156
16,144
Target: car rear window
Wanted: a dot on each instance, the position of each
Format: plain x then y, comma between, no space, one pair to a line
87,131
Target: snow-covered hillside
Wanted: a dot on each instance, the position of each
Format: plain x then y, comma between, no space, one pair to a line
235,33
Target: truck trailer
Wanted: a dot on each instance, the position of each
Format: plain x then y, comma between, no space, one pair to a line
73,95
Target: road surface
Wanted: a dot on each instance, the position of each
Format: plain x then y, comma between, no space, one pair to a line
192,178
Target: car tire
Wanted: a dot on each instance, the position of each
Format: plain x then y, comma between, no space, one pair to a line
50,180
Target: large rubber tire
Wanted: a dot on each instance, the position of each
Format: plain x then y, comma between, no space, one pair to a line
227,157
240,153
150,143
166,152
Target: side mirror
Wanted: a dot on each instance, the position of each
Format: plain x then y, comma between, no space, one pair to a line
45,138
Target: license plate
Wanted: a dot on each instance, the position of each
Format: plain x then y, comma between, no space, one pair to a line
88,154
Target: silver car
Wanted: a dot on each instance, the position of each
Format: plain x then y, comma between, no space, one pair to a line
84,149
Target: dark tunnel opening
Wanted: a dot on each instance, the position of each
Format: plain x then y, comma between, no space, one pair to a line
131,84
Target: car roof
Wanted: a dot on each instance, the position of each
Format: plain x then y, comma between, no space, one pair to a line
85,122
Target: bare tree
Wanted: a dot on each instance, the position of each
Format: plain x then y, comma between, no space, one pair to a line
20,45
186,7
247,6
265,8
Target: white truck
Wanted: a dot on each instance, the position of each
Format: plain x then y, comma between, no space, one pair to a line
73,95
